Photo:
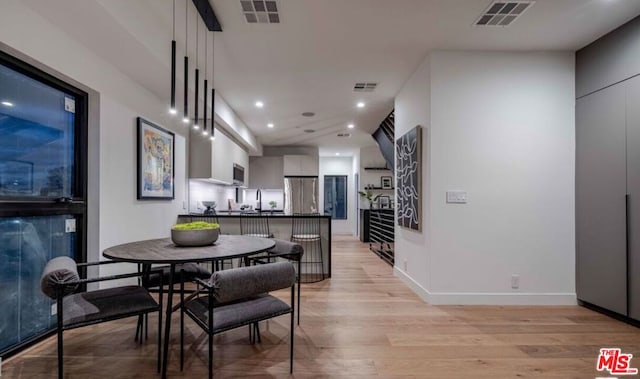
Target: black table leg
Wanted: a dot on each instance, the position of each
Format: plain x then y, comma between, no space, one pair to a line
167,327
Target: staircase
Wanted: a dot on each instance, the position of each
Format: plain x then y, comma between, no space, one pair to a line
384,136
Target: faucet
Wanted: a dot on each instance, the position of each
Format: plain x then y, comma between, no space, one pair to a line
259,200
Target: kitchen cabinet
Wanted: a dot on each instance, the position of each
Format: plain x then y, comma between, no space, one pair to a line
301,165
214,160
266,172
608,198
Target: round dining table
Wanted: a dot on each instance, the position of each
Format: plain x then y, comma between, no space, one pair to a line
164,251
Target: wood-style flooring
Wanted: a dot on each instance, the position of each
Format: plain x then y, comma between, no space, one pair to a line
362,323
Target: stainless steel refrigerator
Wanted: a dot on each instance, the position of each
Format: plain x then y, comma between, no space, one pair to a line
300,194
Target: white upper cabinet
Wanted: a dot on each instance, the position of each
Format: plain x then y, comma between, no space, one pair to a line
214,159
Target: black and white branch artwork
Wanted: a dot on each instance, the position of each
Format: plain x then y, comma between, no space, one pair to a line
409,179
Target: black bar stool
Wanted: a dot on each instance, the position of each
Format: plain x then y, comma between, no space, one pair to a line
306,232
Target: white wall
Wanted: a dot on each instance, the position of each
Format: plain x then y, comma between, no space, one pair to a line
339,166
121,217
200,190
501,128
412,249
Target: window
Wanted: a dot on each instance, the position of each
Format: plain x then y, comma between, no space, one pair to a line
335,196
43,158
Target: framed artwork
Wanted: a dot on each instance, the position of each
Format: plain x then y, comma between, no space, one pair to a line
409,179
386,182
156,149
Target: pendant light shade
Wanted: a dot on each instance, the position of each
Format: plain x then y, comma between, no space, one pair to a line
195,117
204,104
204,110
213,114
172,108
185,111
197,84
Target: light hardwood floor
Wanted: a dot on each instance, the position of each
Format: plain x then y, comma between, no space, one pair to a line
362,323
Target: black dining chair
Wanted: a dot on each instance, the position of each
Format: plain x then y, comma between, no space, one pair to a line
60,281
238,297
290,251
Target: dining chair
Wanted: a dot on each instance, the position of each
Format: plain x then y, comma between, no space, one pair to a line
60,281
238,297
290,251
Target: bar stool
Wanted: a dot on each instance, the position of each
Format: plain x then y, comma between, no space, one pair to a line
306,232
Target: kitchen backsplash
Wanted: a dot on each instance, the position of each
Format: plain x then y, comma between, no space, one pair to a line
267,196
203,191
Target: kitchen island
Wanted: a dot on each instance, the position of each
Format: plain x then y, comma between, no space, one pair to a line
281,226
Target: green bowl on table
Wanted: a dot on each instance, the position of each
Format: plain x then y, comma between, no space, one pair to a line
197,233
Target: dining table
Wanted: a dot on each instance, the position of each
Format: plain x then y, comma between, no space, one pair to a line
164,251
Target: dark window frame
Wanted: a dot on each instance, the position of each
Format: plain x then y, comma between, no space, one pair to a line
26,206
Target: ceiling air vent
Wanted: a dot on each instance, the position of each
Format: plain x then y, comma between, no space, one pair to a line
260,11
365,87
503,13
343,135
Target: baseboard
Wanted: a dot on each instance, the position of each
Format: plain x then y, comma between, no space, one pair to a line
470,298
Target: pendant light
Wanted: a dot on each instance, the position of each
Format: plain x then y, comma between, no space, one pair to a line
204,104
172,109
185,112
195,118
213,91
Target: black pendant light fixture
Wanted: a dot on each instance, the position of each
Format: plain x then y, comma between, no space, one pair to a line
197,81
185,112
213,91
172,109
204,104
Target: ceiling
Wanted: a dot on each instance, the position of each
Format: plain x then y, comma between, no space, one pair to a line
312,59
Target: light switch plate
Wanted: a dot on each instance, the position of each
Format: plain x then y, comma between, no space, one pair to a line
70,225
457,197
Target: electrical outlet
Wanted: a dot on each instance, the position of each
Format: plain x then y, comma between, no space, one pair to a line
70,225
515,281
404,265
54,309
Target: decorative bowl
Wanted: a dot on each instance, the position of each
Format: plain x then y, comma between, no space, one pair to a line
195,237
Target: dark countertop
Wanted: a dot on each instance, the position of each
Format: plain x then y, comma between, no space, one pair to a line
236,214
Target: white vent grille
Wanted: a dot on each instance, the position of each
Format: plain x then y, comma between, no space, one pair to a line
503,13
365,87
343,135
261,11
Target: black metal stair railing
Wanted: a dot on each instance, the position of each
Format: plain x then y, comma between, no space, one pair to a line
385,137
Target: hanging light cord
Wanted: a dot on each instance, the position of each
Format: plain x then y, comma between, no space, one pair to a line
174,19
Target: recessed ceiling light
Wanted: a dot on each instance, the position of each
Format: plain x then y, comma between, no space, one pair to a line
308,114
7,103
337,153
351,126
259,104
360,104
173,111
270,125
